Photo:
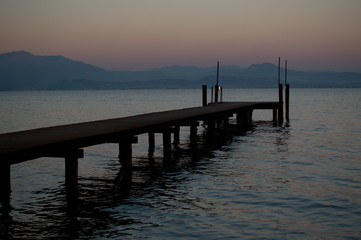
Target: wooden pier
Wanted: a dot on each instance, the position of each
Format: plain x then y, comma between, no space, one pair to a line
68,141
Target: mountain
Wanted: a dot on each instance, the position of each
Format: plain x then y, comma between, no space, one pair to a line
22,70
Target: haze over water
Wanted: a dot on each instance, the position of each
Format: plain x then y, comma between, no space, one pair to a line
295,182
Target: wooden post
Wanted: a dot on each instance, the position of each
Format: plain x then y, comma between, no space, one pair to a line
279,70
250,115
167,147
125,153
193,133
221,94
287,96
274,110
71,175
212,127
204,95
212,94
287,102
176,135
280,107
226,122
151,142
5,185
217,86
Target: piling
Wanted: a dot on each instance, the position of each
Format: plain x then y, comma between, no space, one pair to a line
280,94
217,86
5,184
151,142
125,151
71,175
167,146
204,95
176,138
287,96
193,134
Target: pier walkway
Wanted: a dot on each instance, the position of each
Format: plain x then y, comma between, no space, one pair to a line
68,141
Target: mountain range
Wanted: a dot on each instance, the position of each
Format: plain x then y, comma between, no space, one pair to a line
21,70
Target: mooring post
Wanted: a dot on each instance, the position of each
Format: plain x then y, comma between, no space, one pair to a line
280,95
5,184
167,146
287,95
287,100
217,86
221,94
204,95
280,107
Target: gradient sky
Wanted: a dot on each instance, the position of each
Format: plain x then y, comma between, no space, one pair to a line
142,34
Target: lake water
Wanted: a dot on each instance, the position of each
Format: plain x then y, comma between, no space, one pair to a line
301,181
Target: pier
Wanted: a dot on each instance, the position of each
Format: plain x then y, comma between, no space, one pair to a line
68,141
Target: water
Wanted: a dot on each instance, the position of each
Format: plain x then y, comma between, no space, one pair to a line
301,181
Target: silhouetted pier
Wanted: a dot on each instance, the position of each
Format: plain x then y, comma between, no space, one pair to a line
68,141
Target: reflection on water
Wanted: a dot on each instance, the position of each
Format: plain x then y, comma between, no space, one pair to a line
300,181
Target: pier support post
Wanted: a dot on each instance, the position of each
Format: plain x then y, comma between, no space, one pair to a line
274,110
242,120
125,151
151,142
212,127
250,115
71,175
226,123
167,146
5,185
176,140
193,134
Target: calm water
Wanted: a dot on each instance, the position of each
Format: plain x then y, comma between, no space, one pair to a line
297,182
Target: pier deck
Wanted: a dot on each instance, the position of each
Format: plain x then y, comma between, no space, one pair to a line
67,141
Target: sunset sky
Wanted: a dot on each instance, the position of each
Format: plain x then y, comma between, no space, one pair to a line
143,34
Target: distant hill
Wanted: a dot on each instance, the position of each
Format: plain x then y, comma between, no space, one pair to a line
22,70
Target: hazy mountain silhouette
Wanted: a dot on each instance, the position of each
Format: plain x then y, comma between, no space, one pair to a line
21,70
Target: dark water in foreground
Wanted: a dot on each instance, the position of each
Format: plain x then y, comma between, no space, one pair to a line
297,182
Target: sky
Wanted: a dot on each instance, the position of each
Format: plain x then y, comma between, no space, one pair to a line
144,34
